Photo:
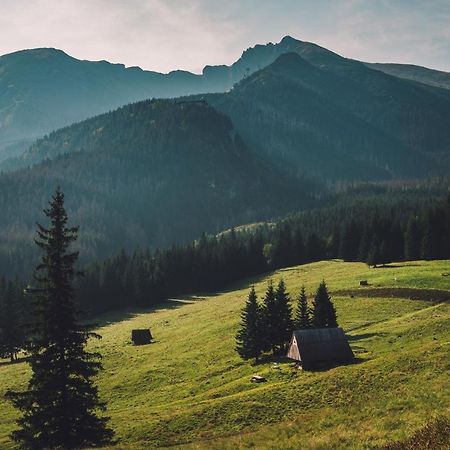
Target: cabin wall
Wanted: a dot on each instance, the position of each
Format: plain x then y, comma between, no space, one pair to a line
293,352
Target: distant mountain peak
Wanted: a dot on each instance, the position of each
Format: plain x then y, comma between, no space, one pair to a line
38,53
289,40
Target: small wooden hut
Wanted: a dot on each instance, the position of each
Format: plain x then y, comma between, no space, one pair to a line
141,337
319,346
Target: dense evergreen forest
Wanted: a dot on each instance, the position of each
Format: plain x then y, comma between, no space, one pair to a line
147,175
372,234
376,236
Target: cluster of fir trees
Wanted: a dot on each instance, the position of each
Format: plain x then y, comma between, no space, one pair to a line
371,233
269,326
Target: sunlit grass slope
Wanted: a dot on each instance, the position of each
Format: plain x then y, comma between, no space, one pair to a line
191,388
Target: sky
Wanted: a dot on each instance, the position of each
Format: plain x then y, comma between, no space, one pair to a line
165,35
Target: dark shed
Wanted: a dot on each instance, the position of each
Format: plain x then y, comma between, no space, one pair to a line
319,346
141,337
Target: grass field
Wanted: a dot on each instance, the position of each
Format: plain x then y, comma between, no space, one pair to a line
190,388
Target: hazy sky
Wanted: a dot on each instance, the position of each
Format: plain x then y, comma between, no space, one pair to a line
164,35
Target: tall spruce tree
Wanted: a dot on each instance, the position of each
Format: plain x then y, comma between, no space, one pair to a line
302,315
249,338
283,324
270,319
324,313
59,407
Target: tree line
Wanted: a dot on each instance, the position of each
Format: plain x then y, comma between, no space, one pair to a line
375,235
269,326
212,262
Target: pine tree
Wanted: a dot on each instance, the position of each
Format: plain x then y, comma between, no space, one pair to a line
302,316
283,324
324,313
249,337
59,407
270,318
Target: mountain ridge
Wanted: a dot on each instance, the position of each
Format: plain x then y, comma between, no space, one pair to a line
361,122
341,120
44,89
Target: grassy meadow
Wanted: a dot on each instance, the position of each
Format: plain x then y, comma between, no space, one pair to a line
190,388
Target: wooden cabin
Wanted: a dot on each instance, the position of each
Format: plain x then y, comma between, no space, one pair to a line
141,337
319,346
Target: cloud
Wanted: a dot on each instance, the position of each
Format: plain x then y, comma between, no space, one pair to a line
168,34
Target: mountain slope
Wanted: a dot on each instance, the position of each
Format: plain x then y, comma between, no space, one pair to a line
412,72
331,117
339,119
190,387
146,175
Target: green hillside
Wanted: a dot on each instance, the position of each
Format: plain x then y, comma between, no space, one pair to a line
191,388
146,175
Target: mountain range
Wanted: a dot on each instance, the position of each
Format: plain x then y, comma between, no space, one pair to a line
44,89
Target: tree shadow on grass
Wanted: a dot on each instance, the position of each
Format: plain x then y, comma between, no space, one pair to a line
395,266
359,337
103,319
109,318
272,359
243,284
8,362
324,367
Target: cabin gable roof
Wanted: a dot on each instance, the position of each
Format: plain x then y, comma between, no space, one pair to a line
320,345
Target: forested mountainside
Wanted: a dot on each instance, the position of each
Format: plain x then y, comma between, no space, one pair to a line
342,120
44,89
146,175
